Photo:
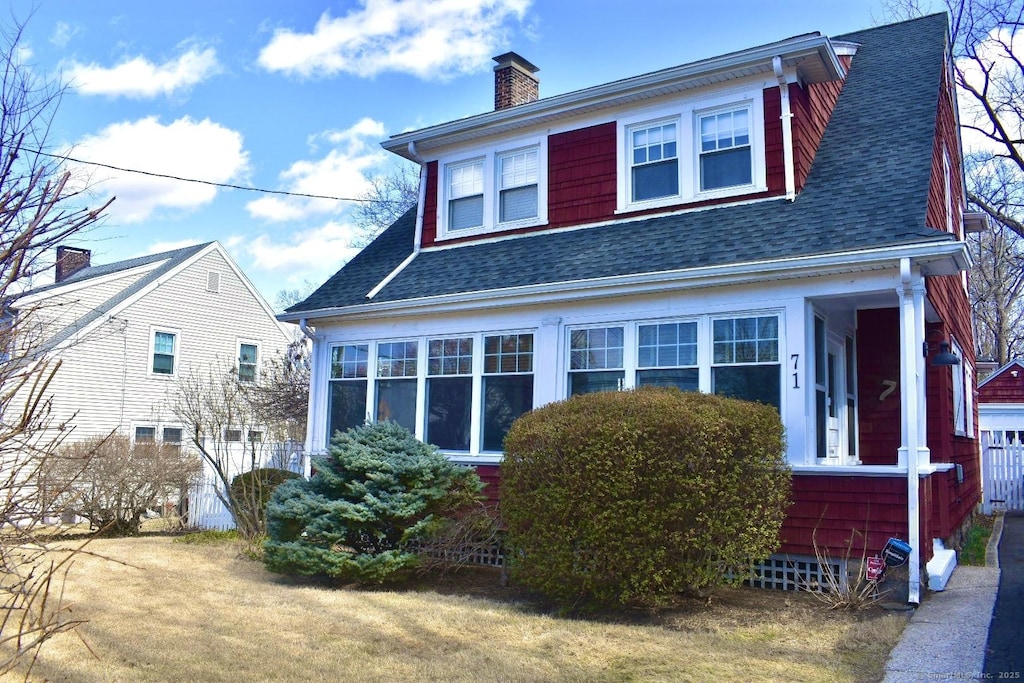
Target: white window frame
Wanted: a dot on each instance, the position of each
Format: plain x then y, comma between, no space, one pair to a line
153,331
499,186
238,359
490,157
687,111
960,391
135,433
476,397
631,151
701,114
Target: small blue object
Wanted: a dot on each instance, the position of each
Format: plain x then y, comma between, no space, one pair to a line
896,552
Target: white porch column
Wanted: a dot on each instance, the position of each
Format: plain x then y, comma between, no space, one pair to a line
913,444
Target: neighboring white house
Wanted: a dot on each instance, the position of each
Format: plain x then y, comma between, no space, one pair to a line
128,333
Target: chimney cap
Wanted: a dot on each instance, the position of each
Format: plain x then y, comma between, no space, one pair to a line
516,60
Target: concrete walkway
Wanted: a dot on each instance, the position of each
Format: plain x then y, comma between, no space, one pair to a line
947,636
1005,657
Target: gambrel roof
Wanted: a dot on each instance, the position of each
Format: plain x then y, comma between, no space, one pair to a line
867,191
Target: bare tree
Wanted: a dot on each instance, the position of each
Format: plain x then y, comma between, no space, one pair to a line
388,198
112,482
238,426
289,297
39,210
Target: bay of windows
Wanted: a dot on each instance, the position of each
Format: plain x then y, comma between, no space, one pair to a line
463,386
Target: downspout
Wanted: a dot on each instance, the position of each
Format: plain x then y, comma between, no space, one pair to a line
304,328
787,128
419,224
911,296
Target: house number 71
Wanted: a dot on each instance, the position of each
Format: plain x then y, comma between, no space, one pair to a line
796,367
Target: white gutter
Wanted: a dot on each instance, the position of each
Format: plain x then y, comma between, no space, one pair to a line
419,223
641,282
609,94
787,128
911,295
304,328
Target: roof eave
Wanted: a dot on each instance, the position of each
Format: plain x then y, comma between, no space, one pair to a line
936,258
813,56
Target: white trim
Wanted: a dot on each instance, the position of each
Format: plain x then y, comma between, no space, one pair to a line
488,156
735,273
238,357
811,53
159,329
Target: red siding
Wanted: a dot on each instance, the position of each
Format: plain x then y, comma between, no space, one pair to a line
774,150
844,510
1004,387
430,207
490,475
812,108
878,363
582,175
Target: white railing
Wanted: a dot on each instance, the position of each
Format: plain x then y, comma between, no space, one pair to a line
1002,466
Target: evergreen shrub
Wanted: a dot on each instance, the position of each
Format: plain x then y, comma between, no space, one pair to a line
376,490
629,498
251,492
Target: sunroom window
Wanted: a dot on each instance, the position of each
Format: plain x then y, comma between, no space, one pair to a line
668,356
745,359
725,151
396,382
595,360
507,385
517,185
466,195
449,392
347,398
654,161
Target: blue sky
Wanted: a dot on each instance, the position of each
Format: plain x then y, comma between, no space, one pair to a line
296,96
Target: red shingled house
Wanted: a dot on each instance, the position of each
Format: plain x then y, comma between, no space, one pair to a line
782,224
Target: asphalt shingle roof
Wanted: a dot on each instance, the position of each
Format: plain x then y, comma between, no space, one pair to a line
868,187
168,260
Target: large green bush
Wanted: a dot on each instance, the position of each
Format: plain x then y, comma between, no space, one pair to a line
376,490
621,498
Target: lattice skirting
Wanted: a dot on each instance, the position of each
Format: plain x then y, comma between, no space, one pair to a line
795,572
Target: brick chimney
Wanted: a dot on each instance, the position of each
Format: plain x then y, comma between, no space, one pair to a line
514,81
70,260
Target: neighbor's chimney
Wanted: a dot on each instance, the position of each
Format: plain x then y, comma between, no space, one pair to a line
70,260
514,81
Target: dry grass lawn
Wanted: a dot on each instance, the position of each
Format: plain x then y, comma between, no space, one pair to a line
178,612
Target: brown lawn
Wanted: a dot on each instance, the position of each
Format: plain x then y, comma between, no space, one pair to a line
178,612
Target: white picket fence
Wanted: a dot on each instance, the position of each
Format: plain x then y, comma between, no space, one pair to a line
1002,466
205,509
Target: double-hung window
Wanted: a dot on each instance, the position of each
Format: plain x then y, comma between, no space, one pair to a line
960,391
745,359
507,385
145,434
596,360
449,392
667,356
164,352
396,382
654,161
466,195
725,152
347,397
247,361
517,185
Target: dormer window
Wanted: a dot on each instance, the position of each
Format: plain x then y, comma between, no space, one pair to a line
725,154
655,161
517,185
466,195
494,189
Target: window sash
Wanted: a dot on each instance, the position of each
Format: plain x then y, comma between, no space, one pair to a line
163,353
247,362
349,361
145,434
726,152
396,401
449,412
654,161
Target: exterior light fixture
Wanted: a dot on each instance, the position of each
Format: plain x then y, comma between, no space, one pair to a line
944,358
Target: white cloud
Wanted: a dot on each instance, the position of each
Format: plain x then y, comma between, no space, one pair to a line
139,78
340,173
185,148
161,247
62,34
427,38
313,254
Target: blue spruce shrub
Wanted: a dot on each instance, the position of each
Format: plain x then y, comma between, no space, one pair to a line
377,489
